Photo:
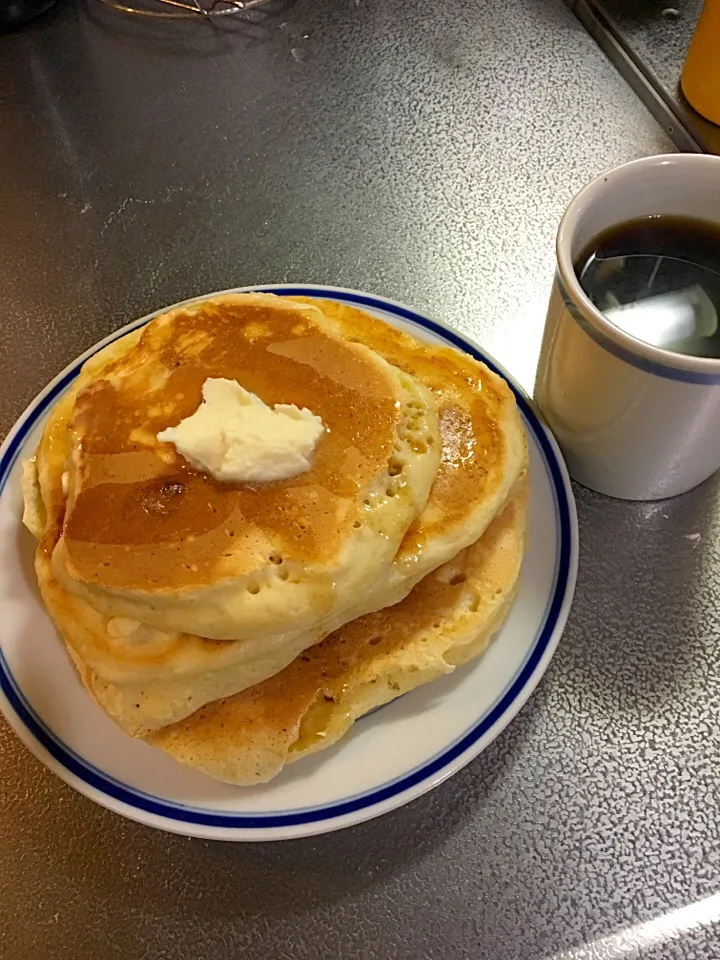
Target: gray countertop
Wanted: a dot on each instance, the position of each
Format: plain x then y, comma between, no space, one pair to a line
426,152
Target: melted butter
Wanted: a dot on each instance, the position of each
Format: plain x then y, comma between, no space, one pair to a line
123,499
458,437
325,716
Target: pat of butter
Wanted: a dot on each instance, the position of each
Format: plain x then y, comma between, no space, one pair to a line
236,437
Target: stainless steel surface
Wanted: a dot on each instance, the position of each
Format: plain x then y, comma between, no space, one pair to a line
427,156
648,43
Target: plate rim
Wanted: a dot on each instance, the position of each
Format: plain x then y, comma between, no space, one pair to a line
192,821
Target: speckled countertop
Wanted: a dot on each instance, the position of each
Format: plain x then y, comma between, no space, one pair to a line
425,152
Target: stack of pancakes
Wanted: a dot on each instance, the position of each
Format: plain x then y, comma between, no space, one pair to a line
240,627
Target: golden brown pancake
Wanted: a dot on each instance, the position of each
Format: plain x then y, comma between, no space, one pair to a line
145,535
484,449
447,620
484,454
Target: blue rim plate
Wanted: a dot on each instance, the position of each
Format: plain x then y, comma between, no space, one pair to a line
388,759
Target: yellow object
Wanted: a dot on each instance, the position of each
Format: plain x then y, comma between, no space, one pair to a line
236,437
700,79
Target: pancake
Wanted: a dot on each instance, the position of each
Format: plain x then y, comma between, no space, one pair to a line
483,455
447,620
146,536
484,449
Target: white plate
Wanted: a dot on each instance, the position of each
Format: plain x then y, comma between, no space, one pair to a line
389,758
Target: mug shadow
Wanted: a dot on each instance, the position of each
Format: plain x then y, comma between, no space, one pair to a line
640,587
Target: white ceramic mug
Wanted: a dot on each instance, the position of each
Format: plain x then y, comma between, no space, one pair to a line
634,421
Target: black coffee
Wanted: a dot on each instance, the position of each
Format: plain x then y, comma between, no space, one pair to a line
658,279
